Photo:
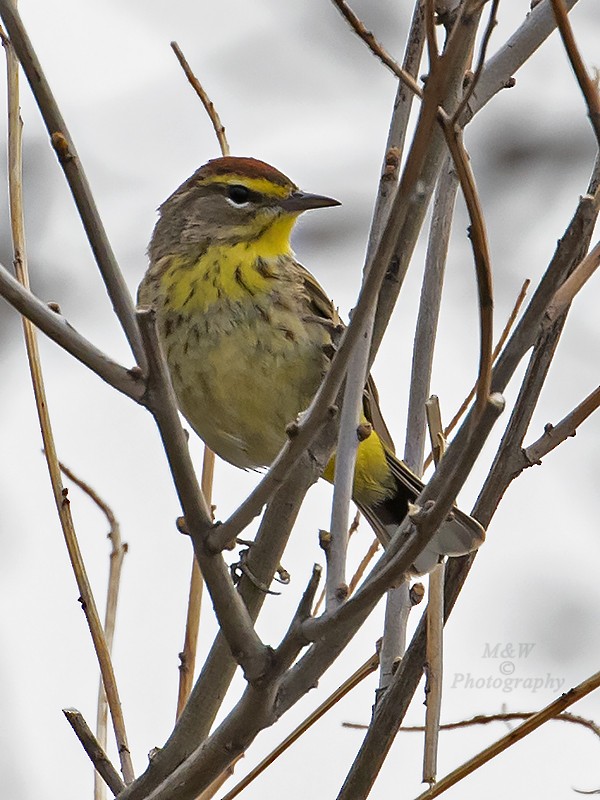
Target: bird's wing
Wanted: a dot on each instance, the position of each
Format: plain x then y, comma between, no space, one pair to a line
322,306
317,299
373,414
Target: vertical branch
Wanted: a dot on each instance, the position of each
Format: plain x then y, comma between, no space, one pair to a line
399,604
337,589
60,493
429,310
435,623
188,654
397,611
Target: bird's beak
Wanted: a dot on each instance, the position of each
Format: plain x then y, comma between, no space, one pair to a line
302,201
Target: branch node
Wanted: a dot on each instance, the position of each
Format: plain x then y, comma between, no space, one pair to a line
364,430
61,147
324,540
417,593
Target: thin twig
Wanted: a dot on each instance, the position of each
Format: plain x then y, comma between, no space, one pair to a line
60,494
486,719
556,434
365,561
206,101
479,242
188,654
528,726
497,350
359,28
95,751
76,178
492,22
117,555
576,280
361,673
588,87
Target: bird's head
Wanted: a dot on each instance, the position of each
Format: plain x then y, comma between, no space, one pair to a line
231,200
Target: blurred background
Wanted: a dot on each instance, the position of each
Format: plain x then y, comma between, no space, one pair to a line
296,88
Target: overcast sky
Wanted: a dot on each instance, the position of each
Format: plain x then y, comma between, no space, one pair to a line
297,89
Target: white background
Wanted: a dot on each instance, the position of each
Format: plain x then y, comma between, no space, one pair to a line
295,87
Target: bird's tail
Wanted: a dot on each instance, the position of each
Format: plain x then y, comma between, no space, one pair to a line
458,535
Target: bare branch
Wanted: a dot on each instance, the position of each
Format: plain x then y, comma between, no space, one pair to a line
533,723
574,283
96,753
427,320
588,87
76,178
265,701
435,623
206,101
556,434
129,382
187,657
361,673
359,28
486,719
365,561
188,654
398,606
293,641
478,237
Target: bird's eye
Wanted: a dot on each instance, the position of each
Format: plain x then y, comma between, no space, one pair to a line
238,194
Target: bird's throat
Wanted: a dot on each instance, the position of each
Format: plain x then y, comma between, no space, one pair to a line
228,271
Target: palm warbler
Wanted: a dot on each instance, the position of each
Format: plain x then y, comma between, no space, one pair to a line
248,334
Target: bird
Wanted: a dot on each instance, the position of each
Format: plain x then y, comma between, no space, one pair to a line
248,334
